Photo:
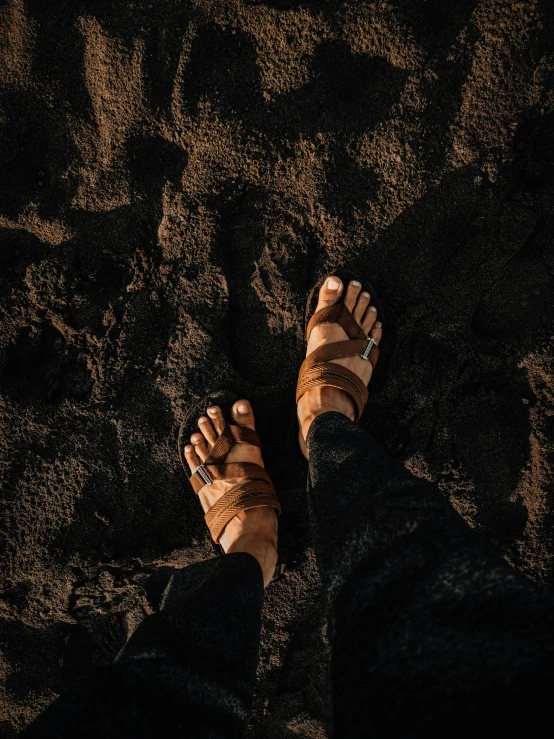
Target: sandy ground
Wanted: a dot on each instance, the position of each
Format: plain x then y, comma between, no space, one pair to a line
175,176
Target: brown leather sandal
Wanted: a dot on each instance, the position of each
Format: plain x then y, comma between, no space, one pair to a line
257,488
318,370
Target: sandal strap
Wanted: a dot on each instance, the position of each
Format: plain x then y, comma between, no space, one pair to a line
333,375
341,349
249,494
228,471
340,314
231,435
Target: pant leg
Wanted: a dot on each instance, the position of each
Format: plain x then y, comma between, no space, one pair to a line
431,630
188,670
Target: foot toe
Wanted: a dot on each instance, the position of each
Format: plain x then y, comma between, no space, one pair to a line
216,416
361,305
352,292
207,429
330,292
377,332
200,445
369,319
243,414
193,460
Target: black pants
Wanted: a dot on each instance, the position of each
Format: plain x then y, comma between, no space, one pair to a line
432,632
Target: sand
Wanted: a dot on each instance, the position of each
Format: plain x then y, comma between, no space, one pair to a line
175,176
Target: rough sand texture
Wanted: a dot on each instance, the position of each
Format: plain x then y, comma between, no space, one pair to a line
174,178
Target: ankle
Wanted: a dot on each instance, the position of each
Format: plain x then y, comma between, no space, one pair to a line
320,400
254,531
262,548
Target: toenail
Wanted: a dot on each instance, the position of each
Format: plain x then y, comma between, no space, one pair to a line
333,284
203,419
378,324
243,408
366,295
373,309
212,411
188,449
355,283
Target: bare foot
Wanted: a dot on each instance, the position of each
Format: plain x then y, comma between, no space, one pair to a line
254,530
319,400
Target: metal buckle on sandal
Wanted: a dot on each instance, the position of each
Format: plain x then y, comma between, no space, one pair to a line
203,474
368,347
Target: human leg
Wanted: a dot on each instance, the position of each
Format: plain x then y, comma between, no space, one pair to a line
428,624
430,628
190,668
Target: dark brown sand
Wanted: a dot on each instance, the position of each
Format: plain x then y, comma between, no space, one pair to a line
175,176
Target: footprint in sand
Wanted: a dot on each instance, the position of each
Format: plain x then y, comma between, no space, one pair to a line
266,265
